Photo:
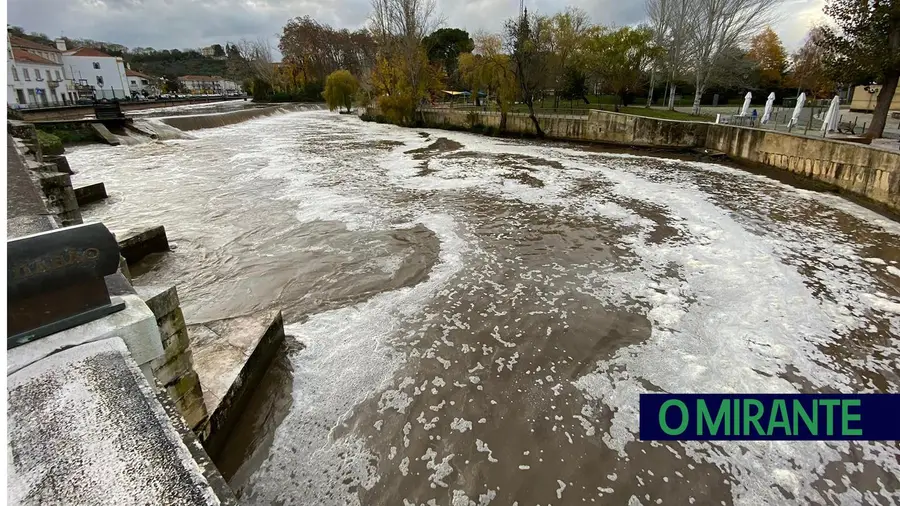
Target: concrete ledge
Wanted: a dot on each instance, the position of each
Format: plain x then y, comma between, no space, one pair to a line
61,162
175,368
104,133
136,244
231,356
86,428
135,326
91,193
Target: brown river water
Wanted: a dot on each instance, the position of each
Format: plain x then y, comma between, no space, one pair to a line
472,319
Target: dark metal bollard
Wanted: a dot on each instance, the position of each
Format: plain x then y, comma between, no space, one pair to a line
55,281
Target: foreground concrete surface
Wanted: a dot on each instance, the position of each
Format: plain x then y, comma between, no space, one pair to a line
86,428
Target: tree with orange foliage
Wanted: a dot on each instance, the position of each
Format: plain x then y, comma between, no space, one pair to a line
770,57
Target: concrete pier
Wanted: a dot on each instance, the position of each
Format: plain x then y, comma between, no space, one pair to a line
231,356
136,244
91,193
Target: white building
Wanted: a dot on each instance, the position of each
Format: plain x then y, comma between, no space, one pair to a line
142,84
35,75
215,85
92,69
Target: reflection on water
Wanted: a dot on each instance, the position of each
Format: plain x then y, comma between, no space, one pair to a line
478,316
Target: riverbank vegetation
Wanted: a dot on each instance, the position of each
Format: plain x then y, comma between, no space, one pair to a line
690,55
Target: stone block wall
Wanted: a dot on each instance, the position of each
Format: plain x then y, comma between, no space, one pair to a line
860,169
50,174
175,368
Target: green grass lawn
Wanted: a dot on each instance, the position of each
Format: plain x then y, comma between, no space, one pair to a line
579,107
582,108
664,114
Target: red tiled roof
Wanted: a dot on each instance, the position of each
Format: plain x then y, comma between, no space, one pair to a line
21,55
88,51
20,42
135,73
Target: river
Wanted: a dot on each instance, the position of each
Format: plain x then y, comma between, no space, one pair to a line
479,316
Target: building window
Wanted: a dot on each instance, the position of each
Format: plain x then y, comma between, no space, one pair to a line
97,65
15,74
58,78
49,77
38,76
27,75
133,82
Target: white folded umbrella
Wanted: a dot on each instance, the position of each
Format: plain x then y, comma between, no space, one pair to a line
767,113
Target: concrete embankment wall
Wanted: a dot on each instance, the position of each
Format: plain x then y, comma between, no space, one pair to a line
200,121
862,170
859,169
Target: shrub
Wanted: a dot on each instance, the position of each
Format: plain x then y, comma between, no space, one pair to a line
50,144
340,90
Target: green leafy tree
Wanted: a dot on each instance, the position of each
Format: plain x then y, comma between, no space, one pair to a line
865,47
574,84
621,58
340,90
444,46
490,71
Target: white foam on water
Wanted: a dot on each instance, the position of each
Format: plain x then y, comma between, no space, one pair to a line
738,302
348,358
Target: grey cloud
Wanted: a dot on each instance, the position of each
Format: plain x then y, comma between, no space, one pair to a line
183,24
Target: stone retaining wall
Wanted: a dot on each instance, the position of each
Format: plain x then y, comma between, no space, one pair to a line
175,368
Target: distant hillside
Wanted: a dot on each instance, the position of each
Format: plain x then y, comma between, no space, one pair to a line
176,63
166,62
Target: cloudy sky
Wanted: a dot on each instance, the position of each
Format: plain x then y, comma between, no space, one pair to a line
163,24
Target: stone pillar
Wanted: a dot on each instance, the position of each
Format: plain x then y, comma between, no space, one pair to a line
175,368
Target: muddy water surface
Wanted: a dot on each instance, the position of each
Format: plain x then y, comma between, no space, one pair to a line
478,317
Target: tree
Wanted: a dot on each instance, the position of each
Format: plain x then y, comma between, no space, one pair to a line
252,60
317,49
574,84
403,74
733,69
491,71
771,58
620,58
865,46
526,41
171,84
675,20
566,33
444,46
718,25
340,90
810,72
218,51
